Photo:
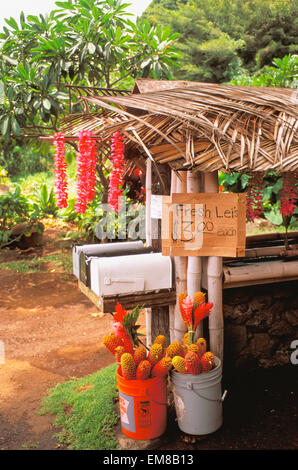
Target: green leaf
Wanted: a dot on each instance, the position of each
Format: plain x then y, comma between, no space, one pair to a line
2,92
91,48
47,104
12,23
5,126
15,127
274,216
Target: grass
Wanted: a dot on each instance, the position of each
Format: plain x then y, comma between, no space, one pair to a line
85,411
36,264
32,182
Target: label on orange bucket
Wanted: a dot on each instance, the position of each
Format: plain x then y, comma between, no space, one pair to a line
144,414
127,412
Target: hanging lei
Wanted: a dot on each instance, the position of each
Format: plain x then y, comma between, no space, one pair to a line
86,171
60,165
288,196
116,177
254,207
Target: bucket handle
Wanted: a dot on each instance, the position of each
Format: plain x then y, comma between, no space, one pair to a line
150,398
189,386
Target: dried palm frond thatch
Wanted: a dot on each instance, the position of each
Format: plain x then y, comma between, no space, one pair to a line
200,125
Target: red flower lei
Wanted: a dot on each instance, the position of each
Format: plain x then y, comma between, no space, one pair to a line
116,177
60,165
288,196
86,171
254,207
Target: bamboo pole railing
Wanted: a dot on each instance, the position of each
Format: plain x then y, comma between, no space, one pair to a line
214,283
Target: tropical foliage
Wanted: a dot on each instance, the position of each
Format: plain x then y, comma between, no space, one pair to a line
82,42
219,38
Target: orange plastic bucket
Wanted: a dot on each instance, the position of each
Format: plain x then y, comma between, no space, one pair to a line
143,407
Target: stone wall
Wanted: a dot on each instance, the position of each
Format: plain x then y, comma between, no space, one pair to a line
260,324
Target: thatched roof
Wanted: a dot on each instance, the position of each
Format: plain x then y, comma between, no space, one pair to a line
201,125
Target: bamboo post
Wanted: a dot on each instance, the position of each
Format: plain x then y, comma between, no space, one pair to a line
148,185
172,307
180,272
194,263
214,282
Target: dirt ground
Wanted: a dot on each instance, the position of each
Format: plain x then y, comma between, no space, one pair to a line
52,332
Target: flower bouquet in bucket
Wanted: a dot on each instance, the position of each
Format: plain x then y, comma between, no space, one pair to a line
141,376
196,374
195,358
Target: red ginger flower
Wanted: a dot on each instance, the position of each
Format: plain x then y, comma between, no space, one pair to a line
187,306
86,171
60,186
202,311
116,177
119,331
120,313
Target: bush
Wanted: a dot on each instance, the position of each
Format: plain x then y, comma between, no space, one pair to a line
19,159
16,209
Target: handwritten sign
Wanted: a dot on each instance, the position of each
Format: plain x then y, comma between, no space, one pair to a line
204,225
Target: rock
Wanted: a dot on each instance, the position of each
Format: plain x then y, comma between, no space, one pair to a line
126,443
292,317
260,321
281,328
282,356
277,307
261,344
259,303
235,339
237,314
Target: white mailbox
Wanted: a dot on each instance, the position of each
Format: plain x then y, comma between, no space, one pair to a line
130,274
103,249
125,272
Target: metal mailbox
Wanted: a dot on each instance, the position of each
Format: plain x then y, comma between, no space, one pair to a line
127,272
130,274
81,254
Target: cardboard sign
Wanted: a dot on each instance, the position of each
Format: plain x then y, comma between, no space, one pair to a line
204,224
156,206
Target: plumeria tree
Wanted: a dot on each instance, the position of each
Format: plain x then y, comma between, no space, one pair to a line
82,42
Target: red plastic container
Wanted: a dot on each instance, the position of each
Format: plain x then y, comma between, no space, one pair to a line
143,407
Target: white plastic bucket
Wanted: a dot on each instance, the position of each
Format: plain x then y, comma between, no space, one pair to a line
198,400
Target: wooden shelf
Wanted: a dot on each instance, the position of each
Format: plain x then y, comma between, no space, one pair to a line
148,299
